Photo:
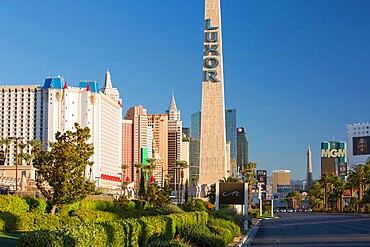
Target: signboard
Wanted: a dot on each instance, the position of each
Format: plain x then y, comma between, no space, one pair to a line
361,145
342,169
261,178
231,193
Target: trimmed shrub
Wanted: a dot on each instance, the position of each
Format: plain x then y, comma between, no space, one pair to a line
36,204
168,243
195,205
223,233
68,209
95,216
13,204
171,209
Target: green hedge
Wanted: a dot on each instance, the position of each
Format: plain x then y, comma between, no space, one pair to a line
13,204
129,232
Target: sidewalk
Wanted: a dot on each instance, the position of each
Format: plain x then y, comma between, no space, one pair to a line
247,239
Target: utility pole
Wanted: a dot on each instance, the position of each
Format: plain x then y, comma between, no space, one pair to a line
260,197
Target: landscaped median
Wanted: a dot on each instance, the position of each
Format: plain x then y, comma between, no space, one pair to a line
195,227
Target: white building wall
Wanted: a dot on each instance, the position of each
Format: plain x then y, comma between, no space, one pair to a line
356,130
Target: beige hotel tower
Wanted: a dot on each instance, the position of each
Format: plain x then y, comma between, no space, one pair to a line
212,165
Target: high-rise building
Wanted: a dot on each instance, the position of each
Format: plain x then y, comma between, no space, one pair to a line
139,118
174,137
358,144
242,149
334,158
195,144
23,114
212,166
38,112
89,107
159,124
280,177
127,150
230,120
309,169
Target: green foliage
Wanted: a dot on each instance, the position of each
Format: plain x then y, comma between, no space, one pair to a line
68,209
95,216
13,204
200,235
36,204
129,232
100,205
231,215
171,209
27,221
122,203
169,243
194,205
223,233
62,168
156,196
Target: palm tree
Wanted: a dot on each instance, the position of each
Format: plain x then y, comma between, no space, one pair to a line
294,199
28,158
6,141
35,145
230,180
327,181
357,181
141,183
181,164
152,163
339,186
316,196
21,146
248,174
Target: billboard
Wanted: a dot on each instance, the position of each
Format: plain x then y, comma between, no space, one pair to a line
262,178
342,169
361,145
231,193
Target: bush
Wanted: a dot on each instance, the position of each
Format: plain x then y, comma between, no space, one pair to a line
100,205
169,243
68,209
121,203
195,205
95,216
36,204
171,209
13,204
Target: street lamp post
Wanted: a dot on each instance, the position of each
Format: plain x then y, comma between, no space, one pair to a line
16,138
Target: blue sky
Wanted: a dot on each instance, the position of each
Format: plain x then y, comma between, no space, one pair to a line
296,71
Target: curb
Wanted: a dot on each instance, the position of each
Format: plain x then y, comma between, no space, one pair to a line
251,232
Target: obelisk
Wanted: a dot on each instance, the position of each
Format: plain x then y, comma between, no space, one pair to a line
309,169
212,165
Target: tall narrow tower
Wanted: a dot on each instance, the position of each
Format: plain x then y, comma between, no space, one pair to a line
309,168
213,138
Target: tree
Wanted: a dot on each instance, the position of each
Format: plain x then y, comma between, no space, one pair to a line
6,141
357,180
181,164
142,182
61,169
293,199
21,146
35,145
249,178
327,181
157,196
316,196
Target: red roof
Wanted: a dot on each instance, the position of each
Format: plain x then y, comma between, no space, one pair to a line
65,85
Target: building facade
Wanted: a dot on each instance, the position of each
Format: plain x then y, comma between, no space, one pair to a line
334,158
358,144
195,145
159,124
280,177
38,112
242,149
174,137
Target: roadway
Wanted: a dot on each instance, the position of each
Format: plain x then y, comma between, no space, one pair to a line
313,229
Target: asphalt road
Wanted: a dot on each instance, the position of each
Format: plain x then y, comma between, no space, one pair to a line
314,229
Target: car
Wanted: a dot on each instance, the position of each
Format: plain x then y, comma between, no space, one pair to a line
290,210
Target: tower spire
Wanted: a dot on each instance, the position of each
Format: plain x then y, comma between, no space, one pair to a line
107,82
309,168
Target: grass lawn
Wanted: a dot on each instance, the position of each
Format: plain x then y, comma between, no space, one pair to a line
9,239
